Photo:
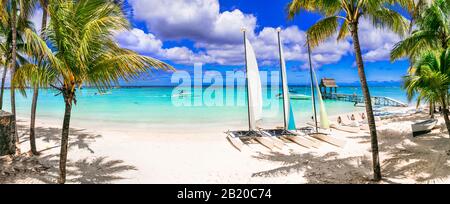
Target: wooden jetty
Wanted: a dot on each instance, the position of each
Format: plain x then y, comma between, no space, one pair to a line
376,100
328,87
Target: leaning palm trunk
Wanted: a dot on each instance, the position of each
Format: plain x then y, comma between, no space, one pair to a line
367,101
3,85
68,98
13,69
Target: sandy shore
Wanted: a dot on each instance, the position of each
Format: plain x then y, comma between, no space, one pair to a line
101,154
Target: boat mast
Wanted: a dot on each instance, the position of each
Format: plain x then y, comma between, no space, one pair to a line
246,79
282,82
312,88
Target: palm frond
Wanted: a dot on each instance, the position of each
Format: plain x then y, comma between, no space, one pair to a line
388,18
344,31
322,30
413,45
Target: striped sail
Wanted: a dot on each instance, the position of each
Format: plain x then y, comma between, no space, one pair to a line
287,107
253,86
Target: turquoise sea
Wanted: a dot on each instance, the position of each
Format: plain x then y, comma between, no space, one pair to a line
155,105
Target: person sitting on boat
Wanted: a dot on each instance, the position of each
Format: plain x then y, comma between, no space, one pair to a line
353,117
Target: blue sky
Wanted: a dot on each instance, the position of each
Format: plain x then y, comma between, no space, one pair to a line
184,32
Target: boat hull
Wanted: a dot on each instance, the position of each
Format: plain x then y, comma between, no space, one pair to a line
423,127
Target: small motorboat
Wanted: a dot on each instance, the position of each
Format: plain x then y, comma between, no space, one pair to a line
423,127
296,96
182,94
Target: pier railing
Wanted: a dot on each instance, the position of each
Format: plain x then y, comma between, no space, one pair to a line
376,100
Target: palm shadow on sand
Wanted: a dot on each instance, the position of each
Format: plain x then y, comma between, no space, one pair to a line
318,169
425,159
422,159
79,138
84,171
44,168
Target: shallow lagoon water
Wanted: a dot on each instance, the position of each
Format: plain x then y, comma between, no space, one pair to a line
155,105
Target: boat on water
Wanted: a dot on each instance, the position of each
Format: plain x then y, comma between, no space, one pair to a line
182,94
423,127
296,96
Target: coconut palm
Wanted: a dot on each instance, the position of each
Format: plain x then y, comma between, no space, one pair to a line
33,149
432,32
6,43
84,53
415,8
429,79
422,94
344,16
17,9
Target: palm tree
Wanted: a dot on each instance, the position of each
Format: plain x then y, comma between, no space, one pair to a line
84,53
33,149
5,50
6,45
415,8
25,7
4,62
3,54
429,78
344,15
432,33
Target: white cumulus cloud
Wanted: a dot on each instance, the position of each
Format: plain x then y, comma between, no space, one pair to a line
217,38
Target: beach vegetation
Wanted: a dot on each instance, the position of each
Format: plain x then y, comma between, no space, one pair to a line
429,80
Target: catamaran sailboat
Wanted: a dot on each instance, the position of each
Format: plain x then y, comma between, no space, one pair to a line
324,123
254,99
289,131
288,113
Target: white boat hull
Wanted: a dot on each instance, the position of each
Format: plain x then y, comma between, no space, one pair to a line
423,127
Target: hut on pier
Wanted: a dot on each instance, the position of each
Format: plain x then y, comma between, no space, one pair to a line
328,84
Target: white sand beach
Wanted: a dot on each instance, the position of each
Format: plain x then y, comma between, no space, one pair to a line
187,155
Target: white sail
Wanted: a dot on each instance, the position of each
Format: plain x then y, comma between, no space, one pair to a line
287,108
324,122
254,86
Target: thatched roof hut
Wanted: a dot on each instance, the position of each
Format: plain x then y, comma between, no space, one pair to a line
328,83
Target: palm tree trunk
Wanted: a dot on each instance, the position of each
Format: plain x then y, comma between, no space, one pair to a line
33,148
36,88
65,138
3,85
445,111
431,110
367,101
13,69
